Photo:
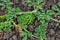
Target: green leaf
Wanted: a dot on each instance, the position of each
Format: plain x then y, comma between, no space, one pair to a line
26,19
55,8
25,38
50,12
30,35
23,33
58,4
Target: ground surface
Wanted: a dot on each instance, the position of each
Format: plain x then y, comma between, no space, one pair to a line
52,30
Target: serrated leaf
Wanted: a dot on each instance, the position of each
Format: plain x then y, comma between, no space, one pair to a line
58,4
50,12
55,8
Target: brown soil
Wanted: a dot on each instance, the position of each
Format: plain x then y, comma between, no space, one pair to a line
53,29
23,5
12,35
2,11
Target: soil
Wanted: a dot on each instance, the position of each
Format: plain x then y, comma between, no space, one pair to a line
31,28
9,36
12,35
53,29
2,11
22,4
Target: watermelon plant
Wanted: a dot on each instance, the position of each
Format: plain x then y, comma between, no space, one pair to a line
27,18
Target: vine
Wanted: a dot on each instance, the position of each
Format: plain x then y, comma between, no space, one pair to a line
26,18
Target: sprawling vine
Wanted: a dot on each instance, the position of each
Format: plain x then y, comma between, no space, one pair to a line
26,18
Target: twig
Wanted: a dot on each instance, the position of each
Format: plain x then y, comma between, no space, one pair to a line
27,12
55,20
29,32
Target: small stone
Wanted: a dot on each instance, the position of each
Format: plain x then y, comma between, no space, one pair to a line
52,38
14,37
57,39
48,38
52,32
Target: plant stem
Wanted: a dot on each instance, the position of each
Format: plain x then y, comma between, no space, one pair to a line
55,20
